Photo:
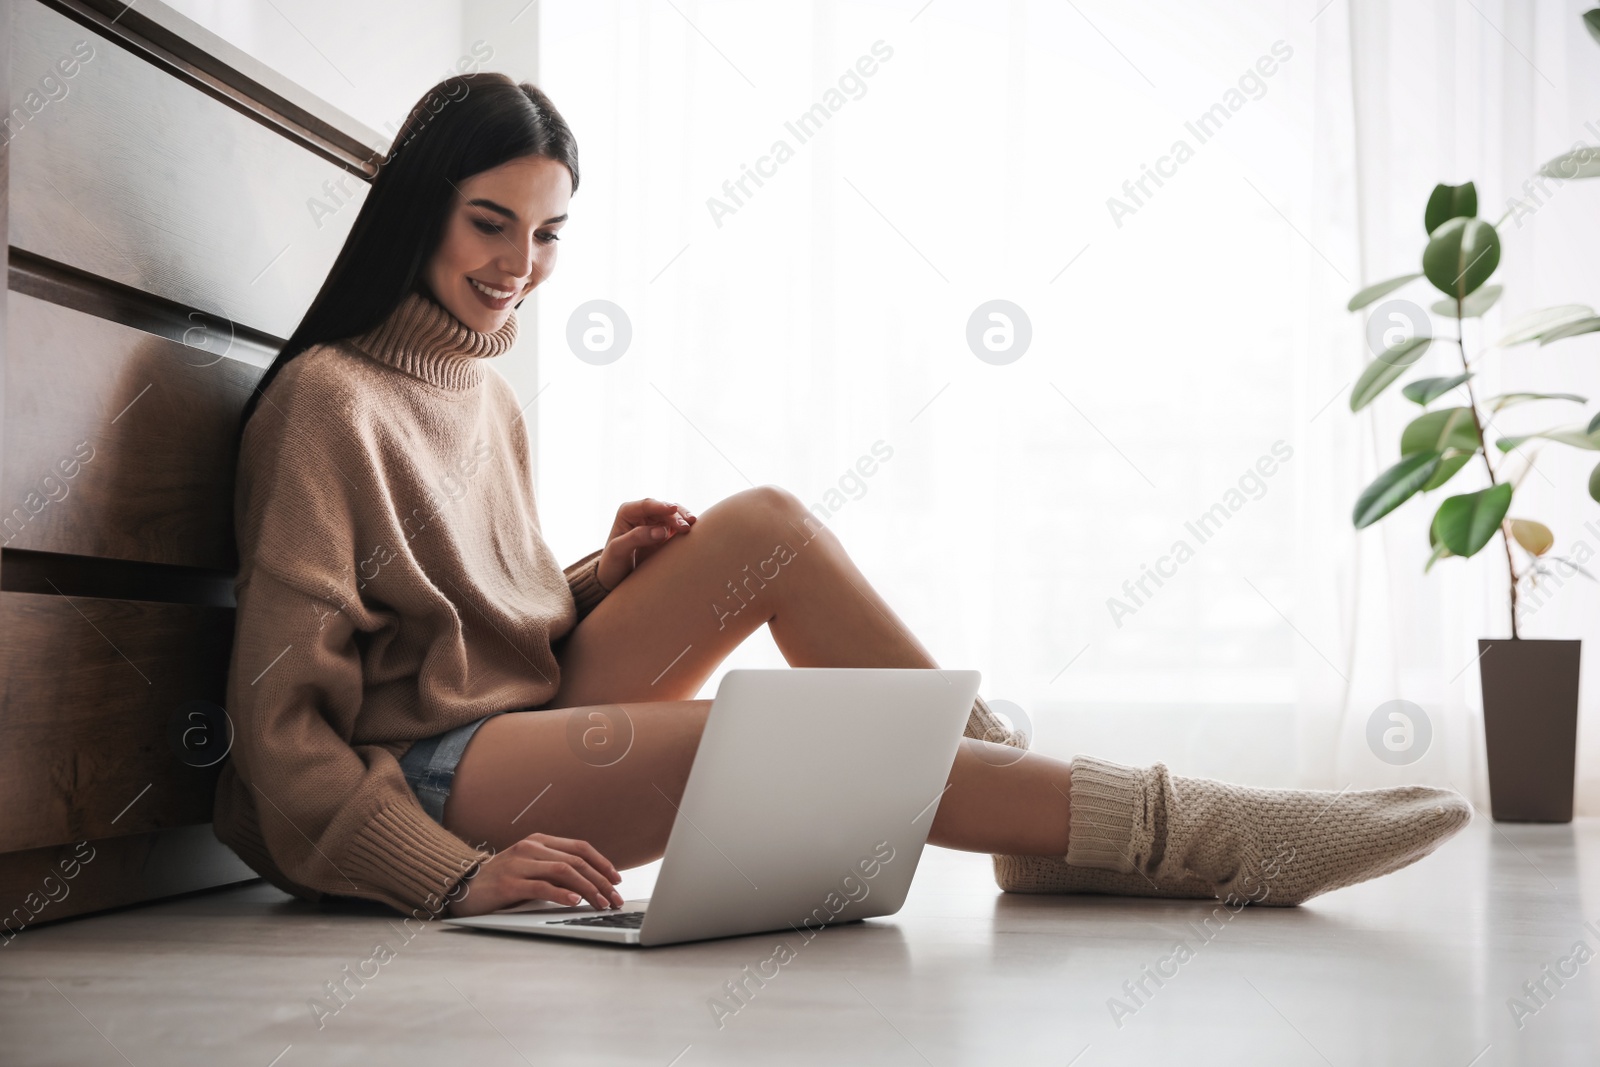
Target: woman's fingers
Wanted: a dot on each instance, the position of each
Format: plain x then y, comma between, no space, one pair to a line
567,881
644,536
627,550
538,889
669,517
652,511
631,545
541,867
582,848
642,526
601,884
501,883
572,874
542,856
575,875
570,886
638,512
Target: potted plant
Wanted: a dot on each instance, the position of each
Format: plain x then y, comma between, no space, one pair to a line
1530,687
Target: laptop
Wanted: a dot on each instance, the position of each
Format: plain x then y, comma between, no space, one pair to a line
808,804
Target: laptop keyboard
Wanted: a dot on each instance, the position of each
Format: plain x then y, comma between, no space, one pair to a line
626,919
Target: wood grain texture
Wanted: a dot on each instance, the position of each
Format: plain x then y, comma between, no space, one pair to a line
171,208
132,175
92,690
118,443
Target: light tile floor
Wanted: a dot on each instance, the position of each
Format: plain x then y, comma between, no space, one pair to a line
1423,967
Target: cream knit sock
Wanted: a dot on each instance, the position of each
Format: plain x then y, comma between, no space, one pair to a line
1051,874
1048,874
985,725
1140,831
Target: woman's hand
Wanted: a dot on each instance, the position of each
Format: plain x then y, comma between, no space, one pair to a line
642,527
540,867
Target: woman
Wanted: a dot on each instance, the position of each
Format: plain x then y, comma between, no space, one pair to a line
404,633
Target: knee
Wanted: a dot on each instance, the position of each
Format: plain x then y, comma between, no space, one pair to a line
768,509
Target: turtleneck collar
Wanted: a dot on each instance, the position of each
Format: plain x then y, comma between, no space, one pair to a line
421,338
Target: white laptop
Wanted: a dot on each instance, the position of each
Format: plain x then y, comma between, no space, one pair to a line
808,804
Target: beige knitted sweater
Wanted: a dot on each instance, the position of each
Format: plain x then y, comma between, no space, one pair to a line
393,584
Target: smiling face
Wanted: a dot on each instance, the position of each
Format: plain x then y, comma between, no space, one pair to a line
500,236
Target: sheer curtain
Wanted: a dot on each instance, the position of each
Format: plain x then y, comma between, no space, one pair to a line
1138,528
1413,95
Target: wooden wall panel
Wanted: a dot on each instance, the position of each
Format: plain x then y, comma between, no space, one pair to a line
6,20
136,176
170,208
118,443
92,691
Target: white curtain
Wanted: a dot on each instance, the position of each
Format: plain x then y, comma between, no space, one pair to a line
1413,95
1180,198
1139,529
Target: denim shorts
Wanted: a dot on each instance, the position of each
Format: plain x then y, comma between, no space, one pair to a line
430,765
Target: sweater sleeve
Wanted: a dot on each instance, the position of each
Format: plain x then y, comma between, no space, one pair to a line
337,818
584,579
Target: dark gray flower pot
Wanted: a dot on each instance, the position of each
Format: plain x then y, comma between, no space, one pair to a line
1530,722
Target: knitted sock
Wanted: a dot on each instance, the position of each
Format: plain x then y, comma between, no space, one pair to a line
1049,874
985,725
1053,874
1140,831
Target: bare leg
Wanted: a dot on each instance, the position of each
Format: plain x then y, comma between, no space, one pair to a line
654,640
521,774
751,559
527,775
649,646
1203,839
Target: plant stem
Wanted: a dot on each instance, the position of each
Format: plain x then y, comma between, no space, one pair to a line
1483,449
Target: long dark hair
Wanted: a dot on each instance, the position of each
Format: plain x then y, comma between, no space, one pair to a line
463,126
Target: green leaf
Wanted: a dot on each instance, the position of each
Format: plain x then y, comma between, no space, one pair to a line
1571,329
1594,424
1461,255
1448,202
1581,162
1382,372
1465,523
1425,391
1506,400
1372,292
1452,462
1528,327
1440,430
1440,551
1534,537
1591,22
1394,487
1473,306
1594,483
1576,438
